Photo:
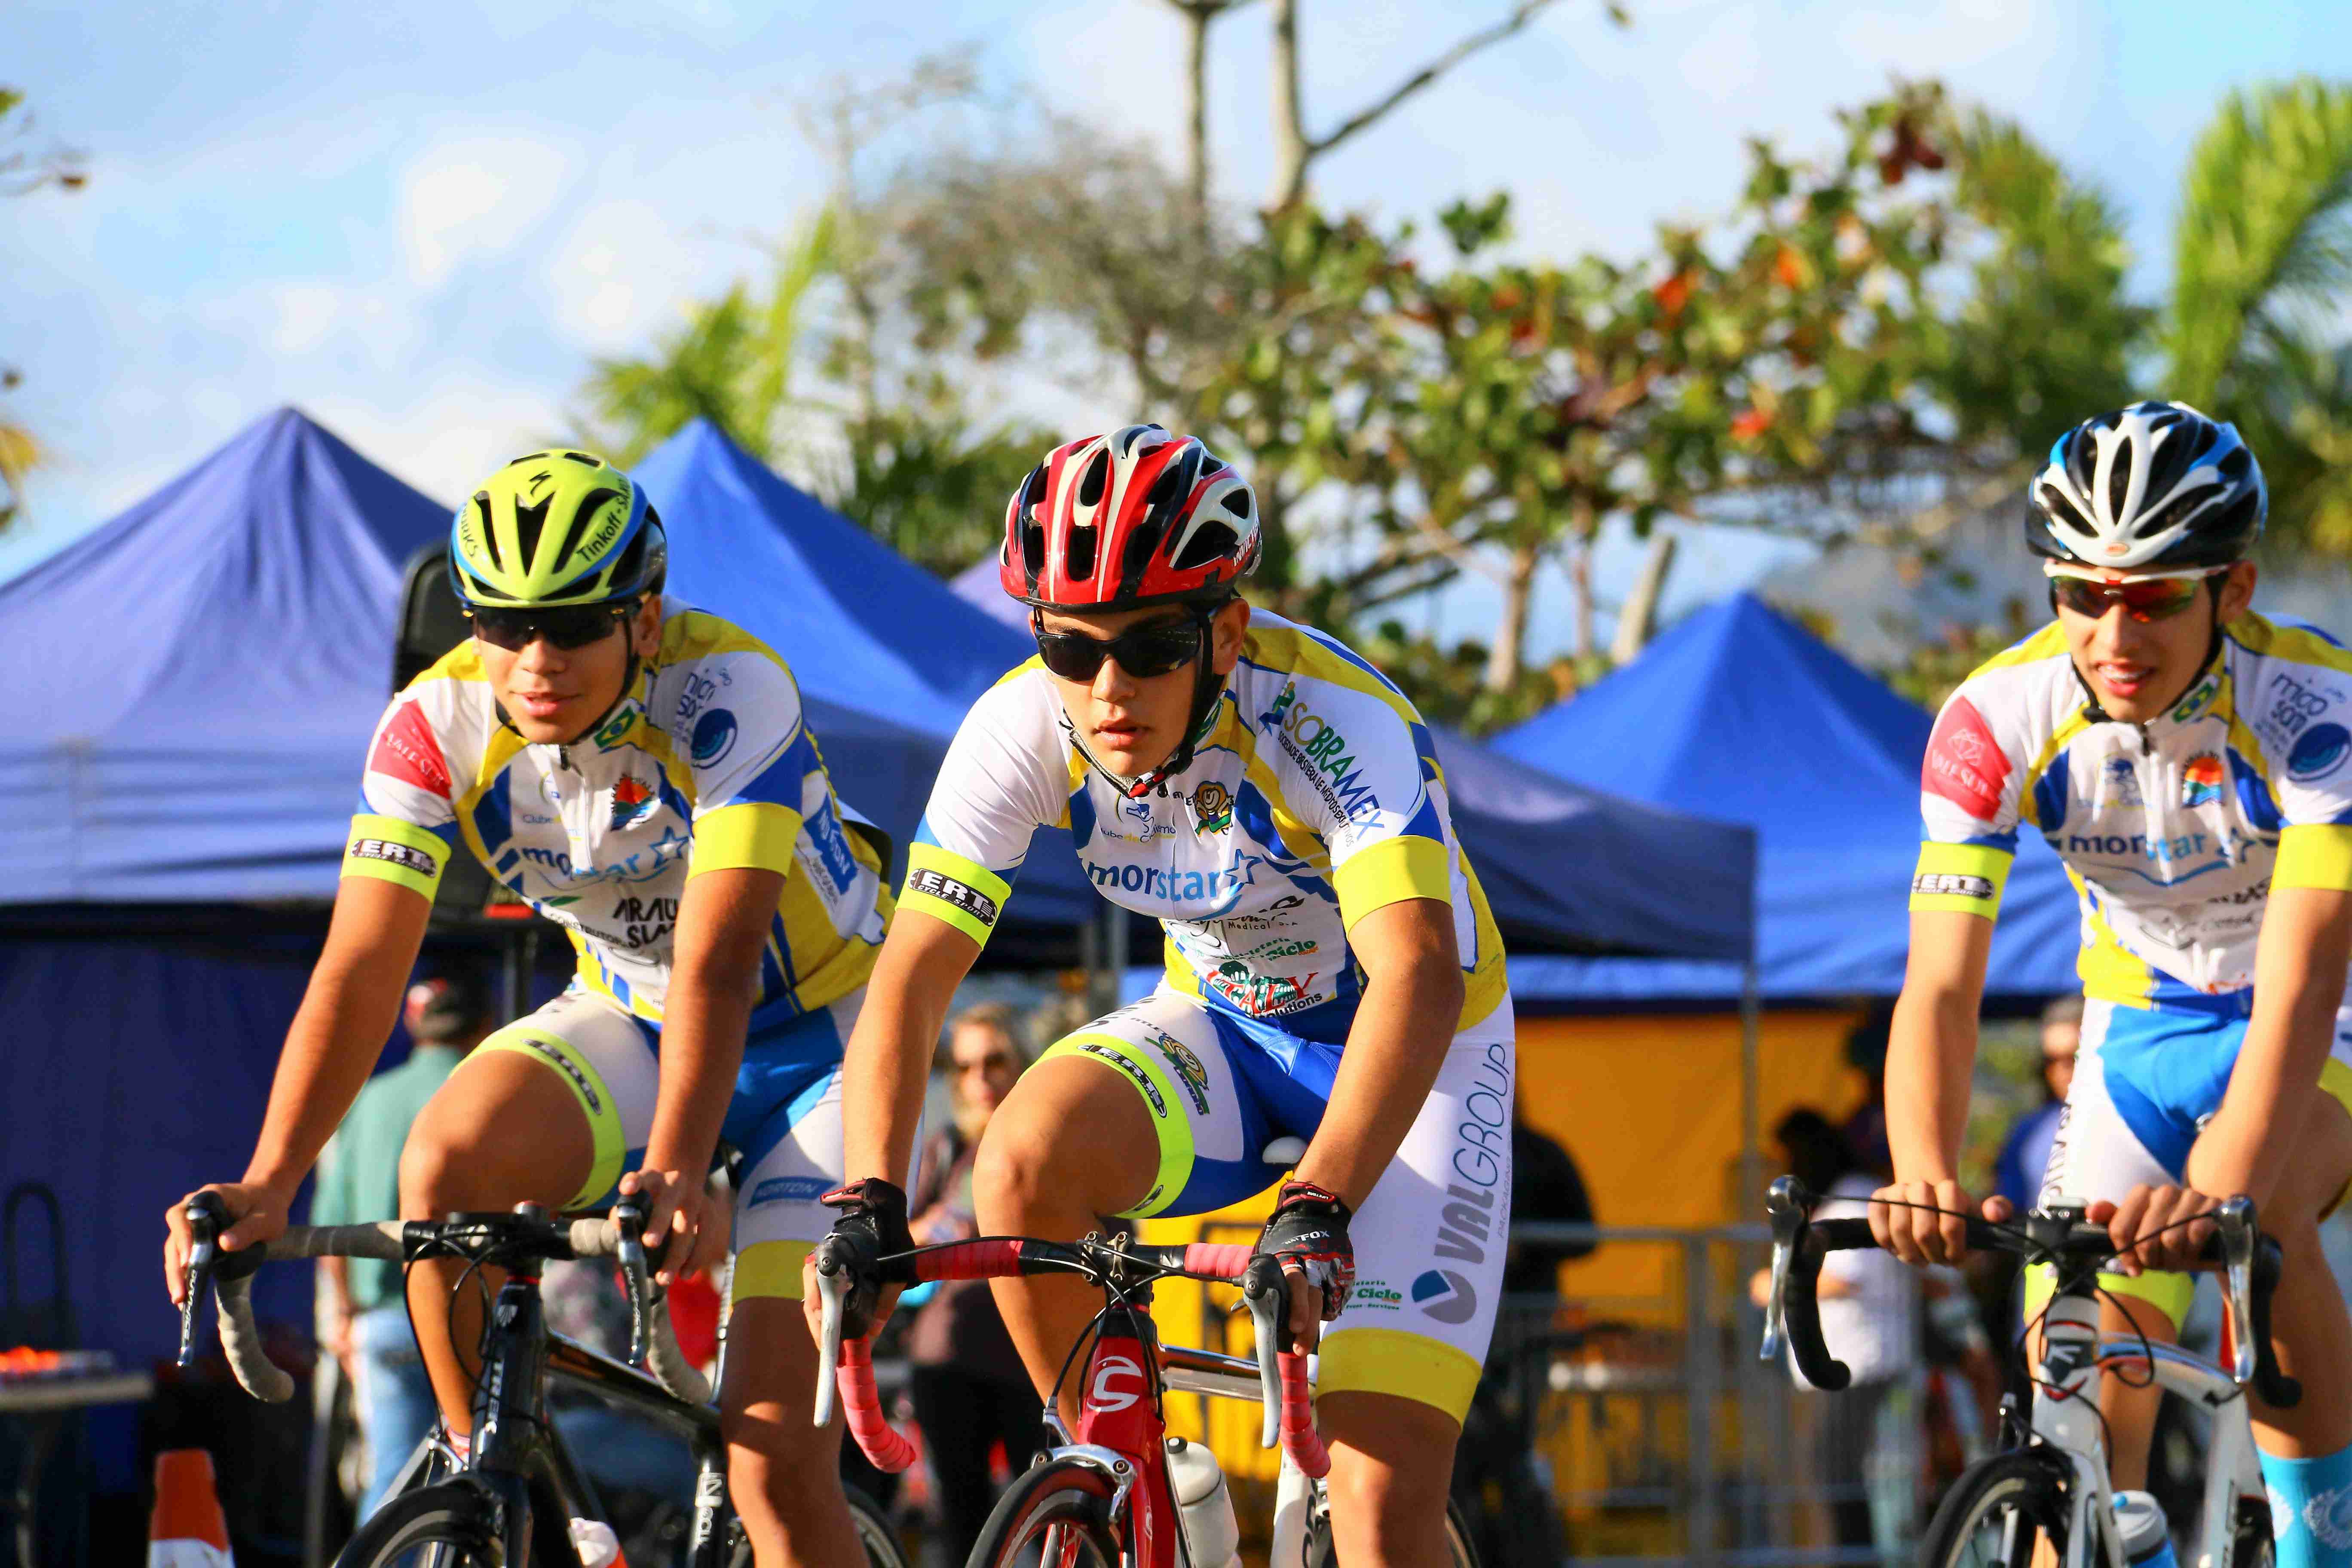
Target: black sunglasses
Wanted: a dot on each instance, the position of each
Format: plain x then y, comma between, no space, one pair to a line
569,628
1142,651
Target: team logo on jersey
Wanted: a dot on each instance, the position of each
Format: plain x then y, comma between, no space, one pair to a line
631,802
2319,753
1187,1067
1212,808
2123,782
2200,780
1965,765
616,729
1445,1296
405,750
714,736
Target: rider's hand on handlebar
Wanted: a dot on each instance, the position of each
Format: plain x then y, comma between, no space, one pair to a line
2144,1216
1307,1235
684,1214
873,1225
1901,1217
260,1214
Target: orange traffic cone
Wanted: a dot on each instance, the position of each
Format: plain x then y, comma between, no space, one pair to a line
188,1530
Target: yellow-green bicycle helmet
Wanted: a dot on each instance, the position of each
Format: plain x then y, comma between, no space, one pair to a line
552,530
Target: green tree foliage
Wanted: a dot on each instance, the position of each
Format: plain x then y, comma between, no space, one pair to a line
24,167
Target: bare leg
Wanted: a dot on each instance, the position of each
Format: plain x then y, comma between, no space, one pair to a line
783,1473
1072,1142
502,1131
2309,1325
1391,1465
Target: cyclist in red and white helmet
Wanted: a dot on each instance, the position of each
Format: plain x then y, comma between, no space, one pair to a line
1334,978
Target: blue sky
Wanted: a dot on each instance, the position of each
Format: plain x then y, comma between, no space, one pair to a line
421,223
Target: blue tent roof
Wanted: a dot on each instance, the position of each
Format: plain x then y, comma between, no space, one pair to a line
191,687
1739,712
864,629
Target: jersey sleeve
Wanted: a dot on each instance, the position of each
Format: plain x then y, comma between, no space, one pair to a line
1359,768
1007,774
2304,713
1969,788
739,724
406,827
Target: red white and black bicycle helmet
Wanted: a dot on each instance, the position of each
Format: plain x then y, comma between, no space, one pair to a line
1137,517
2152,487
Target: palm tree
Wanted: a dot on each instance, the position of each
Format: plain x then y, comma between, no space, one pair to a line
732,363
2261,268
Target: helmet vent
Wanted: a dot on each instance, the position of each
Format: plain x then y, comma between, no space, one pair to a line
1032,551
1211,541
584,461
1095,480
1142,545
2119,483
531,521
490,534
1238,503
1080,566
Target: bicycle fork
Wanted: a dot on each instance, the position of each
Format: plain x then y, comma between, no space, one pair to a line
2067,1417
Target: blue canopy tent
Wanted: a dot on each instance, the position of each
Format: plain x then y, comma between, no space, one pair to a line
1740,713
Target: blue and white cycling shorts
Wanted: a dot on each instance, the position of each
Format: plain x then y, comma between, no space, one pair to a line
785,1117
2147,1080
1429,1238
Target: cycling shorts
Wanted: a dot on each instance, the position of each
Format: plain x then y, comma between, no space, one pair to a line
2147,1080
784,1119
1429,1238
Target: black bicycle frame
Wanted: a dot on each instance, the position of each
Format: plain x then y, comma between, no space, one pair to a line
519,1460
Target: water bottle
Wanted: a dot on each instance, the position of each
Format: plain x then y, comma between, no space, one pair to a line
1212,1538
2147,1537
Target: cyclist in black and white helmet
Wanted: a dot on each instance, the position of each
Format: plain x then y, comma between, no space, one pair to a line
2191,763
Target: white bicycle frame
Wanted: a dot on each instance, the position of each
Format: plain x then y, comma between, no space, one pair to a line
1295,1495
2074,1358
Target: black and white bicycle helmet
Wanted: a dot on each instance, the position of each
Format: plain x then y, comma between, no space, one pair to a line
2152,486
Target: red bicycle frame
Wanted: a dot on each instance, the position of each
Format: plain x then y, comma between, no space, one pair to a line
1121,1427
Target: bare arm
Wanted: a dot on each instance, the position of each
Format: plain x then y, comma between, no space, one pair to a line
338,1033
1931,1050
2299,966
888,1058
1406,1021
723,925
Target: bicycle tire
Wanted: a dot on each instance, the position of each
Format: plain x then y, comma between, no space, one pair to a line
883,1547
404,1531
1461,1547
1062,1505
2250,1546
2017,1494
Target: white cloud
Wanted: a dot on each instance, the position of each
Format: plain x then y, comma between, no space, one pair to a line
482,194
619,274
449,432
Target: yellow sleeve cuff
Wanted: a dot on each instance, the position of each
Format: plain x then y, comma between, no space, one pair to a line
2314,855
1394,870
945,886
1966,878
395,851
750,835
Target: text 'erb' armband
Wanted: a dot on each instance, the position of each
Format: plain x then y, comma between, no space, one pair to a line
391,850
1966,878
947,887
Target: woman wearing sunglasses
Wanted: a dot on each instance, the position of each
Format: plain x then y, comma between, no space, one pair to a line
640,772
2191,763
1333,974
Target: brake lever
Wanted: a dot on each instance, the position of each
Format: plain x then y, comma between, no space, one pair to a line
629,1215
1789,1206
1269,1300
205,1214
2235,1219
831,1290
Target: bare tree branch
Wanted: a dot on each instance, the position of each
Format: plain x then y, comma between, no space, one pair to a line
1297,150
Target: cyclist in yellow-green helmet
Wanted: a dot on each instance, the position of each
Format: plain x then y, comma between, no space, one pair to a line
640,772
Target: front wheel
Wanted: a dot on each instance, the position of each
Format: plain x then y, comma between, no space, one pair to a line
1996,1510
432,1527
1063,1506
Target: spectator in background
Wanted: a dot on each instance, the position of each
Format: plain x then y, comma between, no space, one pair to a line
1866,1052
1869,1320
2017,1174
364,1311
968,1387
1546,1187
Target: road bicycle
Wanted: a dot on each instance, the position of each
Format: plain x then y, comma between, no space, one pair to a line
1104,1497
2047,1480
510,1503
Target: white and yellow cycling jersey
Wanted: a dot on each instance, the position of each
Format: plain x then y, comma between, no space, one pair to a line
2174,831
1314,797
706,764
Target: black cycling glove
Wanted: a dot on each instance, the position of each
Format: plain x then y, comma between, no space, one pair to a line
872,1226
1308,1236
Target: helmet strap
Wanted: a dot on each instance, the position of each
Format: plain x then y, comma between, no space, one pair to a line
1207,687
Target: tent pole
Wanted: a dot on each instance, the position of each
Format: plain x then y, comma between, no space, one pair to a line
1751,1092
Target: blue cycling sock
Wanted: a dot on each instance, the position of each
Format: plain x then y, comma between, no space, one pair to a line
2311,1509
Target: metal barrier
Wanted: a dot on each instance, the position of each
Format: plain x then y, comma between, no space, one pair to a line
1665,1440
